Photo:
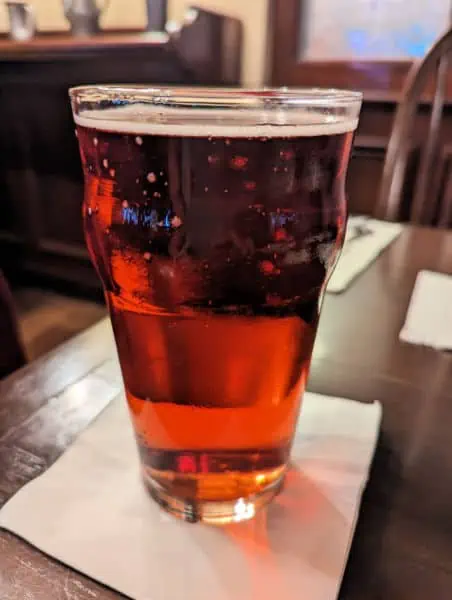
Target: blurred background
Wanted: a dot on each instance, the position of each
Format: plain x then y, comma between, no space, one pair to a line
48,287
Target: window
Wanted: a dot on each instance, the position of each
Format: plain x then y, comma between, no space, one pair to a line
371,29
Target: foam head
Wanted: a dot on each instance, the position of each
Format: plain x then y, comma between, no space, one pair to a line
144,119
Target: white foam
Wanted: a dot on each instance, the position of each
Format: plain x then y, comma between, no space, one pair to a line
151,121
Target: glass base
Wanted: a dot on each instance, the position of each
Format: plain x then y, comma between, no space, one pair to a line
212,512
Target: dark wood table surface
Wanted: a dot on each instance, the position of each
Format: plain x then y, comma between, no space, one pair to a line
402,549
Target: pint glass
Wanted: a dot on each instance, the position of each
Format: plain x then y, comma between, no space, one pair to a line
214,218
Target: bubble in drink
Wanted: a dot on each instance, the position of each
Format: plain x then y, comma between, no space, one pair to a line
214,273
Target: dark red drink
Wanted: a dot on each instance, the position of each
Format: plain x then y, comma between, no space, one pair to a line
214,252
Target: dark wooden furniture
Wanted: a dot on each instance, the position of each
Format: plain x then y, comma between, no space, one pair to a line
424,209
12,354
382,83
41,183
402,549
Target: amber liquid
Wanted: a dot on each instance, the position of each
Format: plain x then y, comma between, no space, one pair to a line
214,254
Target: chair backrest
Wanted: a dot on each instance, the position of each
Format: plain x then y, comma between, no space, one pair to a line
423,208
12,355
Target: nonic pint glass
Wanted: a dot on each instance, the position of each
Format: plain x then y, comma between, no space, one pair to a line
214,218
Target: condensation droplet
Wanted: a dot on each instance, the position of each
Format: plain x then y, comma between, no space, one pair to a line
226,190
112,172
166,184
139,140
280,235
212,159
285,169
147,256
275,169
266,267
206,189
125,204
95,141
161,173
227,142
151,177
239,162
145,192
76,133
286,154
137,180
107,230
105,163
273,299
176,221
157,195
89,211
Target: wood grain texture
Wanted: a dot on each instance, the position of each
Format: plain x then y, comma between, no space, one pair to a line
29,389
402,549
26,574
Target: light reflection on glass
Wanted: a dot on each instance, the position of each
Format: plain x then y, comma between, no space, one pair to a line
145,217
243,510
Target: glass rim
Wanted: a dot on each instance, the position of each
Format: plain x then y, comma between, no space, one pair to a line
222,97
199,111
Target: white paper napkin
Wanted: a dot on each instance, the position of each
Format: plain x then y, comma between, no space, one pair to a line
360,252
429,316
90,511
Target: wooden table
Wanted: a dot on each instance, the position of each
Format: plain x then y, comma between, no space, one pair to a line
402,549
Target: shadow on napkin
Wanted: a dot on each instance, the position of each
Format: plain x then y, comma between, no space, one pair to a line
291,530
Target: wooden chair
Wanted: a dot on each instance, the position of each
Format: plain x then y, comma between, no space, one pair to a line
425,207
12,355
